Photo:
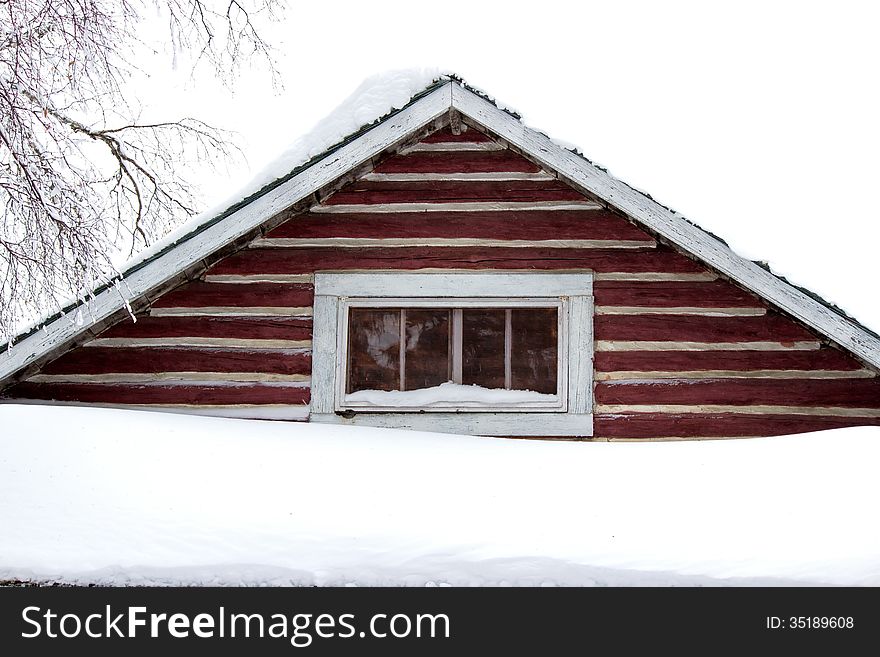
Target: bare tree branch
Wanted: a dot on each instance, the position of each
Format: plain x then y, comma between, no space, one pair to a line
79,172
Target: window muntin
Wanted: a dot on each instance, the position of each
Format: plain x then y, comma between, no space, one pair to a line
496,344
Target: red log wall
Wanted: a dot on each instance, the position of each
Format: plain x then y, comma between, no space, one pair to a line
679,352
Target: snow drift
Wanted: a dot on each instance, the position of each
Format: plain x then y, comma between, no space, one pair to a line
134,497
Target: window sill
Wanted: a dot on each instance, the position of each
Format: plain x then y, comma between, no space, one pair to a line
479,423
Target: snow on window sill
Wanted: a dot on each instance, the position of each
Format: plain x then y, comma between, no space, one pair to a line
452,395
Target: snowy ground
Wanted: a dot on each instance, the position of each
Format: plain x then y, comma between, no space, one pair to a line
130,497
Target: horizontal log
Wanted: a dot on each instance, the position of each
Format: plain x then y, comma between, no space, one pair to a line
280,261
199,294
669,294
99,393
856,393
769,327
445,135
104,360
520,225
826,358
654,425
435,191
260,328
462,162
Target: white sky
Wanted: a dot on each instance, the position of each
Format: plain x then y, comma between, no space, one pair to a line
758,122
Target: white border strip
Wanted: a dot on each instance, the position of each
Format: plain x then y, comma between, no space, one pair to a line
232,311
656,276
658,310
235,279
647,375
190,378
486,176
439,242
830,411
463,206
453,147
637,345
195,341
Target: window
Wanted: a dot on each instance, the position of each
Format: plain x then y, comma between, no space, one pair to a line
502,353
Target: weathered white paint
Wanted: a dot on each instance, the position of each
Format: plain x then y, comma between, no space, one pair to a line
196,246
440,242
453,283
325,347
479,424
645,345
453,147
487,176
458,206
655,276
668,224
680,310
258,278
195,341
231,311
640,376
830,411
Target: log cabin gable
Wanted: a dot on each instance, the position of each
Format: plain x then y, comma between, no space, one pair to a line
673,338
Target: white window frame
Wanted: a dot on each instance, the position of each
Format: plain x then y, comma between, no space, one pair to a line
572,292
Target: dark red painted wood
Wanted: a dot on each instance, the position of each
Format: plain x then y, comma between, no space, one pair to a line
256,328
285,261
457,162
856,393
445,135
527,225
696,328
106,360
673,361
272,295
454,191
99,393
650,425
699,294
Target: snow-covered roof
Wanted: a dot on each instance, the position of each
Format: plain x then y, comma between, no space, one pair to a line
400,105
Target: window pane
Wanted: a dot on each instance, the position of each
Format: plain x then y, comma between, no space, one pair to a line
482,360
373,349
534,349
427,362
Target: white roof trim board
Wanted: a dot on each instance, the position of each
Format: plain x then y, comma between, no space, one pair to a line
652,215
